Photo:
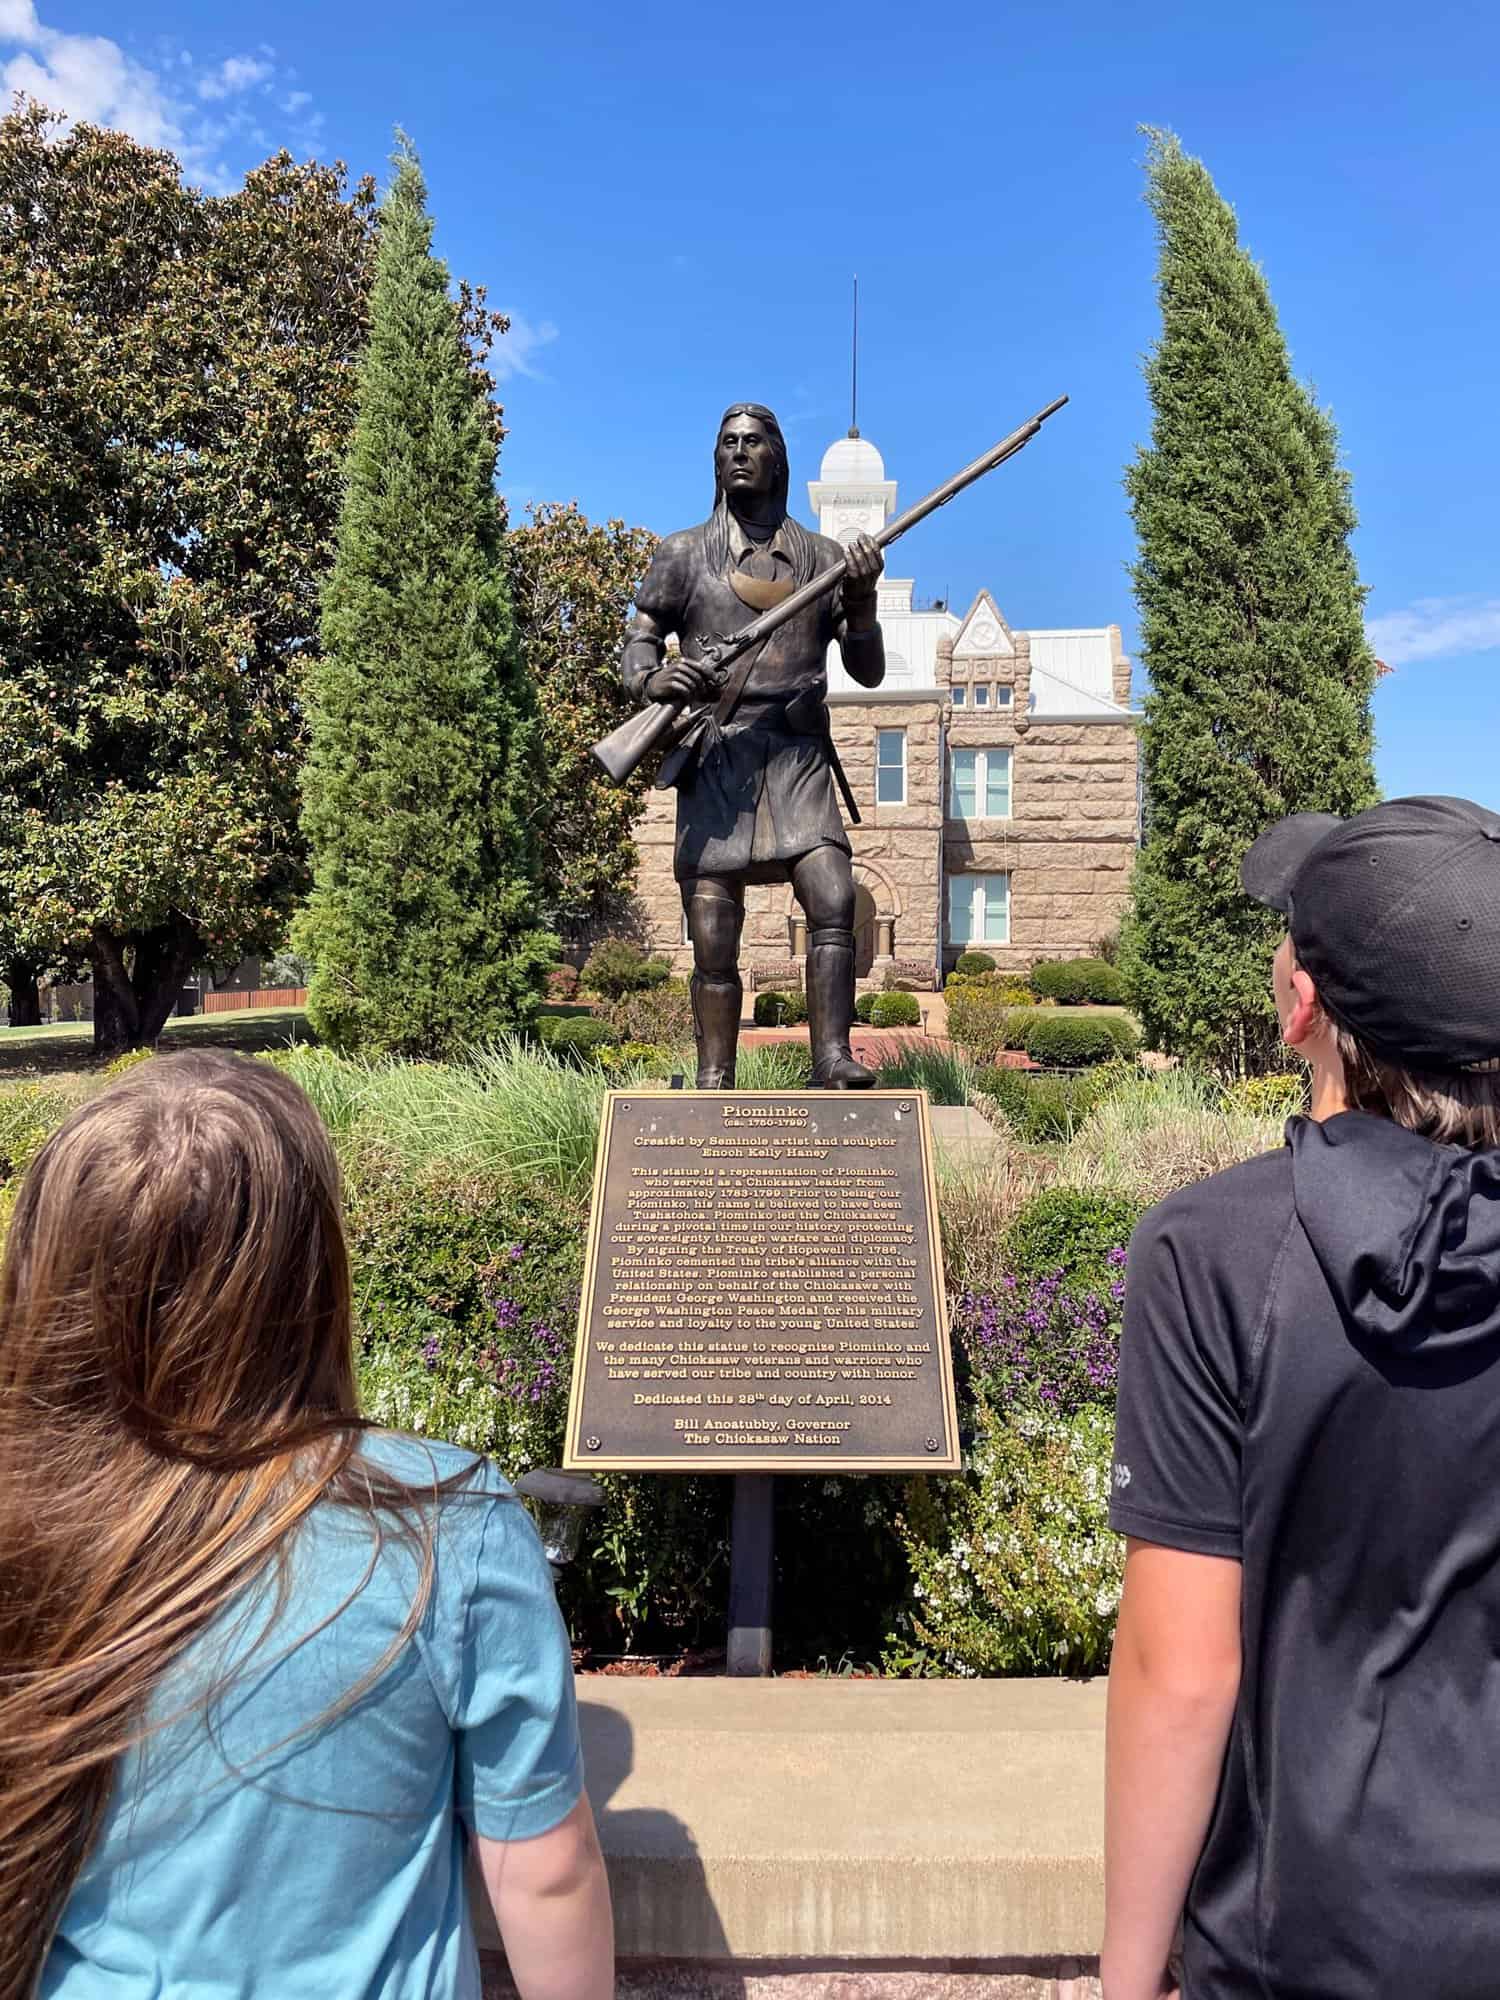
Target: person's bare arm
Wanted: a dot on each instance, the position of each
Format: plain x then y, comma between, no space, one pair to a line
550,1896
1173,1683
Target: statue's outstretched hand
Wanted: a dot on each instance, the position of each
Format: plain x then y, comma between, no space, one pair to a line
863,564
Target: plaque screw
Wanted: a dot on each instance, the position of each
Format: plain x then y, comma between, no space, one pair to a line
593,1444
932,1444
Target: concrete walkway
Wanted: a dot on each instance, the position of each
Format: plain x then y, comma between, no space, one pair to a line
819,1829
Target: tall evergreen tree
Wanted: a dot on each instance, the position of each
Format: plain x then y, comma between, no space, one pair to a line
425,782
1252,631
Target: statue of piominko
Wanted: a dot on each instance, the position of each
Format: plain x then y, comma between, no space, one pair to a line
755,787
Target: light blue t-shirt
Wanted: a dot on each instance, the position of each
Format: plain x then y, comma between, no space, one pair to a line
243,1861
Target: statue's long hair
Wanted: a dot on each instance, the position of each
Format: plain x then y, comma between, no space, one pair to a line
799,543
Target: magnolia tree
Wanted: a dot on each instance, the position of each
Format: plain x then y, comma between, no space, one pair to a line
180,377
571,584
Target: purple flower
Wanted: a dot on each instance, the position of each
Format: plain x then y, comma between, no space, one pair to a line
1037,1342
432,1347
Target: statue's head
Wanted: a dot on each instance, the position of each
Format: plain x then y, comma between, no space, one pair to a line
750,461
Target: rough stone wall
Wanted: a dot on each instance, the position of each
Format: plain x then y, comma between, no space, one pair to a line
1069,844
897,849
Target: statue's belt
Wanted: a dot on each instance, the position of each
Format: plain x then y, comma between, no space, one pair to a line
805,714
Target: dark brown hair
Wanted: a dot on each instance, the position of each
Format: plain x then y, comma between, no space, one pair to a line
176,1393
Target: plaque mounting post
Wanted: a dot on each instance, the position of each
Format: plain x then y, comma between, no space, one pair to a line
752,1542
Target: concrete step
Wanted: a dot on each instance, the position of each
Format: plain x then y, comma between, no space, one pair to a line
882,1827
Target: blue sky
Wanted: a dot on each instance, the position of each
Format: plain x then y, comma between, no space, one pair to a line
670,200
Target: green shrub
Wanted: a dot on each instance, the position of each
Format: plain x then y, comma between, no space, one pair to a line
982,1021
617,967
864,1006
896,1010
779,1010
945,1077
1040,1109
576,1036
641,1061
466,1297
970,962
1071,1230
1280,1096
1078,981
1016,1568
29,1114
662,1014
1073,1041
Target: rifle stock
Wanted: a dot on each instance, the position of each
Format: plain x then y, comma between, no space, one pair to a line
623,749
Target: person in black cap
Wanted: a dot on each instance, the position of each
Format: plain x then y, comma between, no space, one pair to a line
1304,1710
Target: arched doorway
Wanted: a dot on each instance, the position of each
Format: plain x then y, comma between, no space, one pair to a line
864,931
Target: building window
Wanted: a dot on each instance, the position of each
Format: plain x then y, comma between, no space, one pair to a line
979,784
981,695
978,909
960,696
890,767
1003,697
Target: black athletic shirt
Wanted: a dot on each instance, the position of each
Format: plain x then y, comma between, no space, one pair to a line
1310,1382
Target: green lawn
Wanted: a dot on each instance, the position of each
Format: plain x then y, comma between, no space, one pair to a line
68,1048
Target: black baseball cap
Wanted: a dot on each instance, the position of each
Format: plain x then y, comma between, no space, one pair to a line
1395,914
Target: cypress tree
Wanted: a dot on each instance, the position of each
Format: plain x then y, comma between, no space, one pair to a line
1252,631
425,776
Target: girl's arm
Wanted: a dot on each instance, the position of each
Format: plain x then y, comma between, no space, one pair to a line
1173,1683
550,1896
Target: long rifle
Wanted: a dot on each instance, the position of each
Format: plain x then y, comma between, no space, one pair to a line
661,721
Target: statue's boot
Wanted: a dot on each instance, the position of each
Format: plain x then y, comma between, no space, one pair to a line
716,1021
830,1010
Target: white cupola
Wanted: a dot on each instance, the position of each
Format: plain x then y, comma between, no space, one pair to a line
851,494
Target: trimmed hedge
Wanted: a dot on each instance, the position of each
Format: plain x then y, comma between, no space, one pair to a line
779,1010
1039,1109
575,1035
970,962
895,1010
1072,1230
1074,982
864,1006
1062,1042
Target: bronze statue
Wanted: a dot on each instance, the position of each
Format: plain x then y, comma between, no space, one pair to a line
755,768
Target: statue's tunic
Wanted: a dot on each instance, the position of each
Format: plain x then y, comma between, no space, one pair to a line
756,798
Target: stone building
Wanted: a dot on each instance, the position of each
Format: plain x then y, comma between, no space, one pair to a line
996,774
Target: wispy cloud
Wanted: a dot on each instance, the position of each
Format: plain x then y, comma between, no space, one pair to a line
234,75
1437,628
91,79
512,355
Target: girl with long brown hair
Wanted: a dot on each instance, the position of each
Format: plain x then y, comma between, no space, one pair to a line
265,1674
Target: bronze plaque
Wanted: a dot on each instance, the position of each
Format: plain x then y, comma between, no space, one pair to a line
764,1288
